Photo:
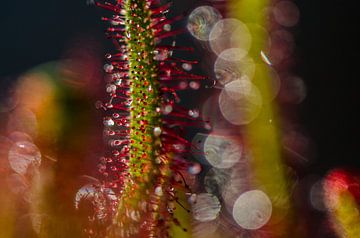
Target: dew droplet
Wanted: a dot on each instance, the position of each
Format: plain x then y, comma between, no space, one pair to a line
183,85
111,88
161,55
194,113
194,85
109,122
201,21
186,66
157,131
101,199
206,208
158,191
22,155
194,169
108,68
123,12
167,109
167,27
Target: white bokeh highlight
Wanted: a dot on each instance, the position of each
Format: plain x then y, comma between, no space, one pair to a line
230,33
240,102
201,21
206,207
286,13
252,210
221,152
229,67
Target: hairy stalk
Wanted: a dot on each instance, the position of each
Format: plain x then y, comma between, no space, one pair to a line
143,122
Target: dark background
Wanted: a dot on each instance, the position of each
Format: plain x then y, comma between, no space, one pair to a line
328,48
35,32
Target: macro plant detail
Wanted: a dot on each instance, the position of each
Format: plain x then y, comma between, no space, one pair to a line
143,125
176,119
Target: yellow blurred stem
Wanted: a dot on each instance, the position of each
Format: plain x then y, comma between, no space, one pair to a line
262,135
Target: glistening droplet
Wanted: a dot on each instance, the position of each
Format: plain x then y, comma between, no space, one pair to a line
22,155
